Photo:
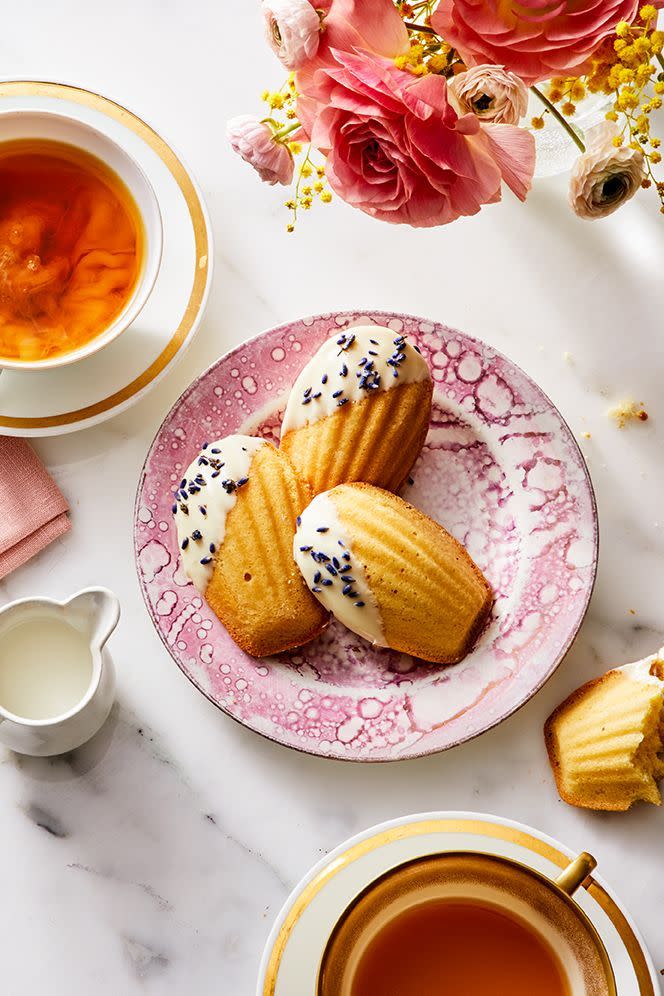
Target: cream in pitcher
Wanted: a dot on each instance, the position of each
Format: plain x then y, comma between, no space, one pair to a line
56,676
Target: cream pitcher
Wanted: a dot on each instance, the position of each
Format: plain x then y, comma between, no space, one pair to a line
57,680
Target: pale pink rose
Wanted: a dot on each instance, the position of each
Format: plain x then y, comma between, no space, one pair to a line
398,150
536,39
605,176
491,93
293,30
255,142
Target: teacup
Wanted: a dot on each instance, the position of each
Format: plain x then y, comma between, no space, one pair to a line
365,948
53,126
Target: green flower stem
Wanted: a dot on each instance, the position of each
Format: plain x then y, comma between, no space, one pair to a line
660,59
281,135
559,117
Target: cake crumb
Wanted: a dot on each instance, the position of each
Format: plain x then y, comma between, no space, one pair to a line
628,411
632,612
567,356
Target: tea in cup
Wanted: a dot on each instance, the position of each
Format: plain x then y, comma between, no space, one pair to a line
471,924
80,239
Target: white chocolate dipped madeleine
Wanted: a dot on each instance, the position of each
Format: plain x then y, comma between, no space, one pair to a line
359,410
235,513
391,574
605,741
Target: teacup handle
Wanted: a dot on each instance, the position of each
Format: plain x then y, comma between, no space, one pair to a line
576,873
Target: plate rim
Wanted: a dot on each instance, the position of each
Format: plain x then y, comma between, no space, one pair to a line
373,313
500,827
182,336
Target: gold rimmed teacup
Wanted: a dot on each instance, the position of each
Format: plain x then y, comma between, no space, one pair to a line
541,905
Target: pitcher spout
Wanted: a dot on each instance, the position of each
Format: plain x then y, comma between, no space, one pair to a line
95,611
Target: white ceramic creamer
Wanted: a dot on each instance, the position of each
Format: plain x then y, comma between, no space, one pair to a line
57,680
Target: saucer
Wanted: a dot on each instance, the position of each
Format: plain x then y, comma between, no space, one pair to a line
291,959
500,469
51,402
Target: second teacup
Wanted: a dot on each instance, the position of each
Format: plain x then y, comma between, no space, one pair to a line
468,923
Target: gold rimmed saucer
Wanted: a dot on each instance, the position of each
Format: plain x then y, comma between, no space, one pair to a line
53,402
294,949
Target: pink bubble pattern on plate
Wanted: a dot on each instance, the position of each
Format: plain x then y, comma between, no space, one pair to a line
500,469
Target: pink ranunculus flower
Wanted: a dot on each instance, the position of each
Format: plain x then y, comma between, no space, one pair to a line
492,93
372,25
398,150
536,39
293,30
256,143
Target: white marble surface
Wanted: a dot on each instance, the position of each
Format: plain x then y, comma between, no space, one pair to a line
154,859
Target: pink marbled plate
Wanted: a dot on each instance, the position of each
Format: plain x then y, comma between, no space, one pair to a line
500,469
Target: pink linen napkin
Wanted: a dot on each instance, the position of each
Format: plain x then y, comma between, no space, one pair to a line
33,512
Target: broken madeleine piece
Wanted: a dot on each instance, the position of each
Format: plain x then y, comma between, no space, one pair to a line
605,741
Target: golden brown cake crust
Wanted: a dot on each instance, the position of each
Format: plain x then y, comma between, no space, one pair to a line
433,598
256,589
552,747
376,440
620,797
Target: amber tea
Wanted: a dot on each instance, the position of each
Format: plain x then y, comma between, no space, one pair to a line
71,248
445,948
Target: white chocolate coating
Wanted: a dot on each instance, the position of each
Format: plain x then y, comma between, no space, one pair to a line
207,493
324,554
349,367
643,671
